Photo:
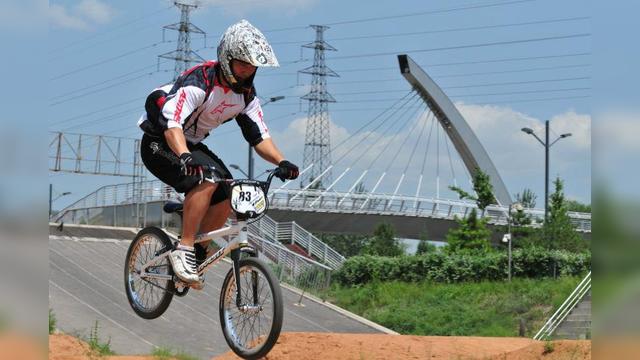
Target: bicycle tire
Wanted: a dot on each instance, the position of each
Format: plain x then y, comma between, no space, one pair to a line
165,292
227,294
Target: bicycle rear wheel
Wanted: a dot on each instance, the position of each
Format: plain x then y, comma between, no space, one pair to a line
149,298
252,330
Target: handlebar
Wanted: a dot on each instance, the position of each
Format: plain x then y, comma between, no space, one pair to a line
265,185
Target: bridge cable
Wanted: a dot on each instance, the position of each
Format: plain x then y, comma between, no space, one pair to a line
366,151
348,151
390,141
453,173
409,133
403,106
424,162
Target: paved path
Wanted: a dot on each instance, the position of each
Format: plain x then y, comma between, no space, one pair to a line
86,284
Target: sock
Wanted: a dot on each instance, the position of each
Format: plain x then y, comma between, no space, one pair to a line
185,248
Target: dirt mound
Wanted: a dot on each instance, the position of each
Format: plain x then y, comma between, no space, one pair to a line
66,347
372,346
368,346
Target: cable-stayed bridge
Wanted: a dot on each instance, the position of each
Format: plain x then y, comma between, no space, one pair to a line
397,167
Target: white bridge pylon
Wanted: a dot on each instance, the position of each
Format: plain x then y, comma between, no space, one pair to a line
385,167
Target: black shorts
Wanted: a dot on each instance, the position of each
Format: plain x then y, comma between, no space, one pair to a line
164,164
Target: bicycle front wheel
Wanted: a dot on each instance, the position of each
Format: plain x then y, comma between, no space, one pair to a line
148,297
252,329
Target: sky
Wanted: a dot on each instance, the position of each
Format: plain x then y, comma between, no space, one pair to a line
505,64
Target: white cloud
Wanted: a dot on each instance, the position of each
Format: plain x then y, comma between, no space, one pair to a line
60,17
80,16
95,10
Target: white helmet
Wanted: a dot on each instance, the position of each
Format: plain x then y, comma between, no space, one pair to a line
242,41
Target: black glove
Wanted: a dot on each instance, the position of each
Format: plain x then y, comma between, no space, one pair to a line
287,170
190,166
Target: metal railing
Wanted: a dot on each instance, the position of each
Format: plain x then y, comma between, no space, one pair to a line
140,195
140,204
558,317
365,203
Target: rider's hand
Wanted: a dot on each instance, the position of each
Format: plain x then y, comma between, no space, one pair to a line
190,166
287,170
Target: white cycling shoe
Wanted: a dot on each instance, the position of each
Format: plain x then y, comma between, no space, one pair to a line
183,261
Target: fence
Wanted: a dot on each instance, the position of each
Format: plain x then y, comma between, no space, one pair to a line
558,317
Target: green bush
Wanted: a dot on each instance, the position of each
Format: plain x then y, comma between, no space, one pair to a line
460,267
487,308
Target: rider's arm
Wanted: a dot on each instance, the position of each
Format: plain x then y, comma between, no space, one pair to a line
176,141
175,111
250,121
268,151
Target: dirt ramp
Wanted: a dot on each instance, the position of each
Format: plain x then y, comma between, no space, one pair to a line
375,346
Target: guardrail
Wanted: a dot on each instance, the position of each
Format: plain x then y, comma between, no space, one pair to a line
341,202
558,317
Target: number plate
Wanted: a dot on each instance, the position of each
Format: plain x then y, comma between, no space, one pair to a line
247,198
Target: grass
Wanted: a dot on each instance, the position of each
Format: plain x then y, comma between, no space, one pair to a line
549,347
103,349
462,309
162,353
52,322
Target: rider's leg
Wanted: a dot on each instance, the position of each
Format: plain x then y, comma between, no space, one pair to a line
196,205
215,218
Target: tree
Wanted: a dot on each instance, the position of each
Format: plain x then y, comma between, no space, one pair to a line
346,245
527,198
573,205
384,242
483,189
558,231
471,235
424,247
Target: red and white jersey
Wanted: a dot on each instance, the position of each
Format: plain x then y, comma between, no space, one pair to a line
188,107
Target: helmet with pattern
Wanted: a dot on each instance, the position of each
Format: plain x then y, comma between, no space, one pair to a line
242,41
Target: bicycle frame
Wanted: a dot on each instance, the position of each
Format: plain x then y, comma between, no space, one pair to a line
234,247
239,243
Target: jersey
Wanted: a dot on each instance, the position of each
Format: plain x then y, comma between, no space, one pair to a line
198,103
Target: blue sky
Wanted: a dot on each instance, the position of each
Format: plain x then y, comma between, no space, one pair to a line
111,48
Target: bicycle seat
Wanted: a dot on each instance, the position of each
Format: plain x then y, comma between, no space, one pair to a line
172,207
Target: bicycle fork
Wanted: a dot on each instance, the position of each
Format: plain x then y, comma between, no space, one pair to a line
235,258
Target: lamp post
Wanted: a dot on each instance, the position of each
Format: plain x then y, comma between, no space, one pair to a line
234,166
51,199
508,237
250,162
546,145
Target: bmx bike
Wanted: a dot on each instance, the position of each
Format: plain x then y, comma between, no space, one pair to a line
250,304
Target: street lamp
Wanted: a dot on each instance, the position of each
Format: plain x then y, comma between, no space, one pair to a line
508,237
234,166
250,165
51,199
546,145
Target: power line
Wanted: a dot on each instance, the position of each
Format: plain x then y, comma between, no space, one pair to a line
519,82
457,47
429,12
95,112
107,60
463,95
463,74
102,82
146,16
104,88
482,27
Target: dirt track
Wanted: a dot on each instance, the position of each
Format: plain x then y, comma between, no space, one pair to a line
361,346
